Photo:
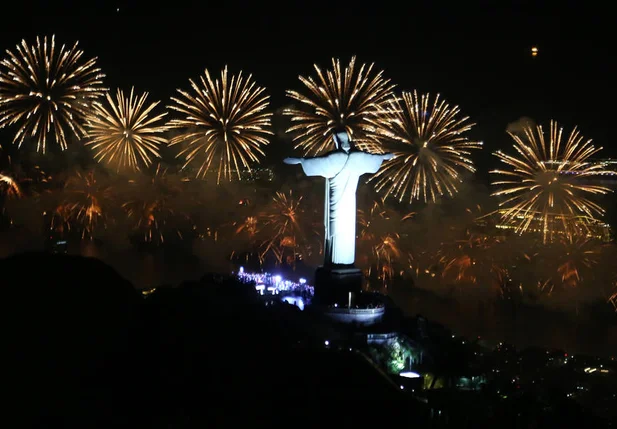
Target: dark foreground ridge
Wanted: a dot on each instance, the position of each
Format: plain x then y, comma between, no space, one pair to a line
85,349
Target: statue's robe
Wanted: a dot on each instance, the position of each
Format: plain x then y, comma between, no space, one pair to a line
342,171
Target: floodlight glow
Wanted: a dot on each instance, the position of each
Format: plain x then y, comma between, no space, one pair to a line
409,374
302,281
241,270
277,279
327,343
297,301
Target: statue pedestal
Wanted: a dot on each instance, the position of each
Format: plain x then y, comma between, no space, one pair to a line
337,292
333,284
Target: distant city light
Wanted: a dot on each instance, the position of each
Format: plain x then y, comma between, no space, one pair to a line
327,343
534,51
241,270
302,281
277,279
146,292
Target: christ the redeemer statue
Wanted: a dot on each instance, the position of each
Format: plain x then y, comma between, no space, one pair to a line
342,169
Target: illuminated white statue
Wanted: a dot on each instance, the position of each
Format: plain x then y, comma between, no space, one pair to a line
342,168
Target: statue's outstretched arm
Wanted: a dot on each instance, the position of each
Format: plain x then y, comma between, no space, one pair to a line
371,162
292,161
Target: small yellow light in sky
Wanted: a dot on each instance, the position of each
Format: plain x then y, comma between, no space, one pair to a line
534,51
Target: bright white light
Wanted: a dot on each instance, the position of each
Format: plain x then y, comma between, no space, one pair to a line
402,387
241,270
409,374
302,281
327,343
298,302
277,279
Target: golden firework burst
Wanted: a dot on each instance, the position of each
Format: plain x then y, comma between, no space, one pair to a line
545,182
47,92
430,147
225,124
88,202
12,189
122,133
350,98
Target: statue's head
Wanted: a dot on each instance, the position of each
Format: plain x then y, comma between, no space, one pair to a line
342,140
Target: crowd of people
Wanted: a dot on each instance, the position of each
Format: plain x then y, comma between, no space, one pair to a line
267,283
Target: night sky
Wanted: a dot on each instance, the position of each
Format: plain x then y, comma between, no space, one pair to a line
476,55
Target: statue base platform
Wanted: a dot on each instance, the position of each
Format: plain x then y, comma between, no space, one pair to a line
334,283
354,316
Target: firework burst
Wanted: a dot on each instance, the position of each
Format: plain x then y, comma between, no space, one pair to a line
47,91
249,226
284,223
122,133
351,99
473,260
88,202
10,187
545,183
430,148
60,220
578,257
224,125
375,235
150,206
